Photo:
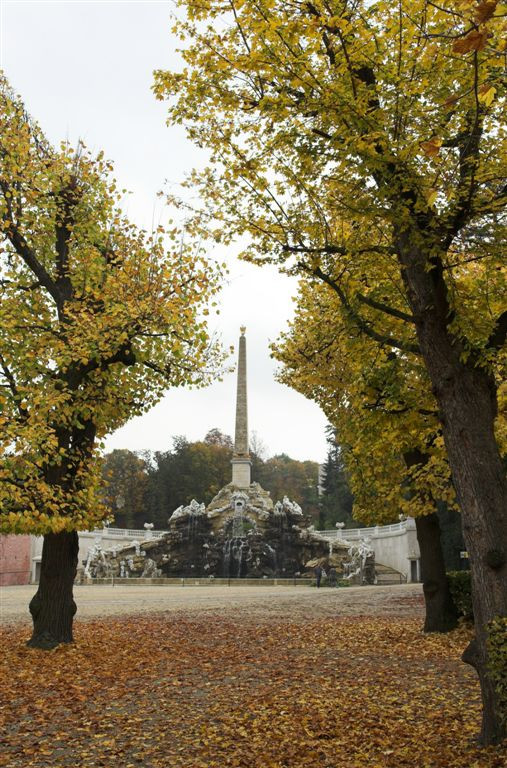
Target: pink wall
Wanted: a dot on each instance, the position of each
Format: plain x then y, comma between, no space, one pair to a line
14,560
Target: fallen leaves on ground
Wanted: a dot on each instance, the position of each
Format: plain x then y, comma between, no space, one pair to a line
213,691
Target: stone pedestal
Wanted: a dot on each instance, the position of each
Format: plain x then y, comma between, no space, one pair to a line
241,470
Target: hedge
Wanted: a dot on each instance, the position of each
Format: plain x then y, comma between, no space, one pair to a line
461,590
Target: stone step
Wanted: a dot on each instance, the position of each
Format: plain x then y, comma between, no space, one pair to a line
387,575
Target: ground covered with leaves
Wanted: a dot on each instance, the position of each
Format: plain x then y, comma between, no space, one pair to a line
225,689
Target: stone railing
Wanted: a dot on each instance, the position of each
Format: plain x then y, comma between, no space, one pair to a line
349,534
129,533
354,534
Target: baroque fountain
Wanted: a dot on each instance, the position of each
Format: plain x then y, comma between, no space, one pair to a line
241,533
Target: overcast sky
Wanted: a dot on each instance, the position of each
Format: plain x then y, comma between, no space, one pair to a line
84,69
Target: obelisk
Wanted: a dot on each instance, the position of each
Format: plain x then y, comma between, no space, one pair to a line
241,464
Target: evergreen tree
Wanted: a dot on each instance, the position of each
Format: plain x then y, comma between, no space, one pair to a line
336,500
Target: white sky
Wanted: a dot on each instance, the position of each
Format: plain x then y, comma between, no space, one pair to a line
84,69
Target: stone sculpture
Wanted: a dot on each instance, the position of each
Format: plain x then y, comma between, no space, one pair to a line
150,569
97,564
360,569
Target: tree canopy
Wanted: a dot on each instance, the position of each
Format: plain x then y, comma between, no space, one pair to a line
191,470
327,120
337,127
97,319
124,487
379,402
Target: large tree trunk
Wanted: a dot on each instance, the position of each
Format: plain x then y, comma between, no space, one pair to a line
466,397
441,613
480,485
53,607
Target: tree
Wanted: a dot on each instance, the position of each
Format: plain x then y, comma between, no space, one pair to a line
152,486
283,476
216,437
336,500
189,471
125,479
258,453
96,321
352,138
381,406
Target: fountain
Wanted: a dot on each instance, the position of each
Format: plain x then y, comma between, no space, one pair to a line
240,533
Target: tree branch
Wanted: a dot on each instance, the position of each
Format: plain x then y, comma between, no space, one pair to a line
360,322
468,143
11,382
23,249
385,308
77,372
338,249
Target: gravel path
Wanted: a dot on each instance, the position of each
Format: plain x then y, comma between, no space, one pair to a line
289,602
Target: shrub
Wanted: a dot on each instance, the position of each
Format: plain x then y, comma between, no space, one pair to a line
497,653
461,591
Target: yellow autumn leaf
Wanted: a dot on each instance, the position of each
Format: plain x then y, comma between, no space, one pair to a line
487,96
432,197
431,148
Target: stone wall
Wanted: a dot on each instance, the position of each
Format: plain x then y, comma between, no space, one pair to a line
397,549
14,560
